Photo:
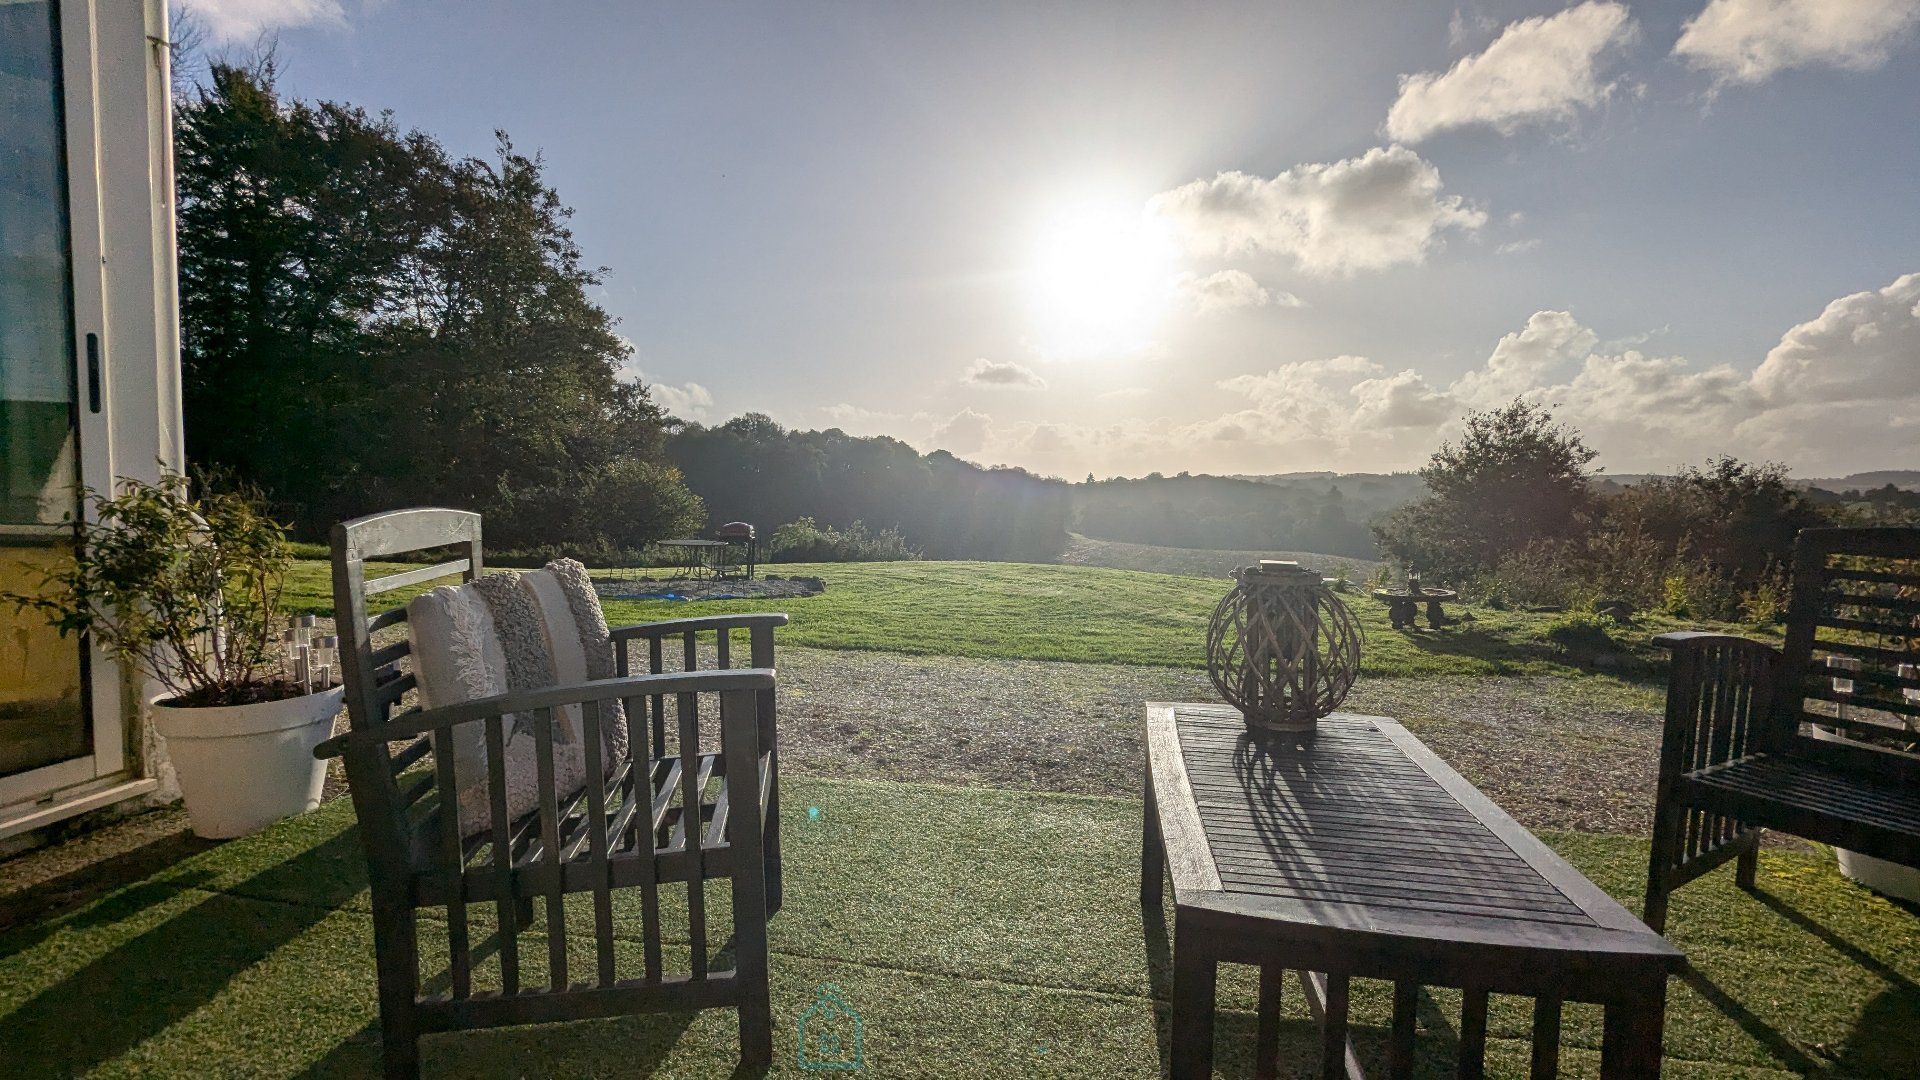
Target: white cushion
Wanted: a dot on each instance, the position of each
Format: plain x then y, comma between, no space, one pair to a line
459,656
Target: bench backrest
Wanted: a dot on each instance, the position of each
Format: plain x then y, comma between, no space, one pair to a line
374,676
1854,617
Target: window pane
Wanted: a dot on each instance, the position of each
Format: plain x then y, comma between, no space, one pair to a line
43,715
36,347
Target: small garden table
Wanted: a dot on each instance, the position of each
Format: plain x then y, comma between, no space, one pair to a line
1403,607
698,558
1354,852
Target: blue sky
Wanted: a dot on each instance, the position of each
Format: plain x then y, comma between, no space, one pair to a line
1238,238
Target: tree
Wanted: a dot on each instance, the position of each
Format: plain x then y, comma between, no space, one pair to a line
369,322
1515,477
1738,518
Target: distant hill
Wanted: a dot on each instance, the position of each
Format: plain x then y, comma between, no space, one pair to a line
1319,512
1904,479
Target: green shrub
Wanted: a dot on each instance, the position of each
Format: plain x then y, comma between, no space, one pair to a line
1766,603
806,541
1582,634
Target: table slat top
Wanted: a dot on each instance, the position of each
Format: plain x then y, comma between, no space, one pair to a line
1361,827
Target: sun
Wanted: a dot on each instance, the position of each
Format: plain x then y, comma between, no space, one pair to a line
1100,280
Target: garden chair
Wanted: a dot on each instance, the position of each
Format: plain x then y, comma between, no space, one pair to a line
548,791
1796,738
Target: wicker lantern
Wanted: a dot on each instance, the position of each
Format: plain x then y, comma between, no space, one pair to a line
1282,648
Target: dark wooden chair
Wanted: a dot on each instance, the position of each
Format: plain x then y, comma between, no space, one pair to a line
1758,737
668,816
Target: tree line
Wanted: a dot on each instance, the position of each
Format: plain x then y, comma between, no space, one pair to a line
369,321
1515,512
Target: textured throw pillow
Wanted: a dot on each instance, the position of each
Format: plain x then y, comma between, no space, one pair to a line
511,632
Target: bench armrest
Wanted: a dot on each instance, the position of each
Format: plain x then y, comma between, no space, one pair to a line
1721,693
669,627
409,726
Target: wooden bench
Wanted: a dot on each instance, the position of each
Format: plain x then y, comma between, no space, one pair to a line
1356,853
1797,738
669,816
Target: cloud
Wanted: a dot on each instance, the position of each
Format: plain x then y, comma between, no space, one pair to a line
1839,393
1748,41
689,402
1002,375
246,20
1229,290
1517,247
964,432
1379,210
1521,360
1862,348
1538,70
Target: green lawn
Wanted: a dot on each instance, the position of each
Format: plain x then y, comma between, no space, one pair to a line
924,906
1090,614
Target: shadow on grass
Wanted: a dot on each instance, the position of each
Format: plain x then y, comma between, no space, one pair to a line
1781,1047
1477,643
1882,1042
633,1045
78,888
167,972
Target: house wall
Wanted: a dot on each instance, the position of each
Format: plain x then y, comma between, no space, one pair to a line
125,291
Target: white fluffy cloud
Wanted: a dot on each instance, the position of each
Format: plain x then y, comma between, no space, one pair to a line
1521,360
1862,348
245,20
1229,290
1542,69
1381,209
1002,375
1747,41
964,432
690,401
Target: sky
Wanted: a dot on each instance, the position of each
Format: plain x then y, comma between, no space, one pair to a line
1233,238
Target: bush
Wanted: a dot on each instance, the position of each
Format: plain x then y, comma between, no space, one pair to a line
806,541
1766,603
1582,635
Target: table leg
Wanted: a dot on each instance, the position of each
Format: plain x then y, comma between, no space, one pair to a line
1153,854
1191,1020
1630,1041
1266,1046
1436,618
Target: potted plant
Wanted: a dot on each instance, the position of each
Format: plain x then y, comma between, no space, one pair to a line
186,589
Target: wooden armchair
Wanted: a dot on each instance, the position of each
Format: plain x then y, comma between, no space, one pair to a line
1796,739
665,815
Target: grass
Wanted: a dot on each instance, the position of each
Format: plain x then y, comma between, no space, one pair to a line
1091,614
1200,562
923,905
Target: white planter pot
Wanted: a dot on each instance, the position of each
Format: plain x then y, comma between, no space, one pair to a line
1891,879
244,767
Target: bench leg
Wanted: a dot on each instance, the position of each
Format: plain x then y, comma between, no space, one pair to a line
1749,864
397,961
1194,975
1667,820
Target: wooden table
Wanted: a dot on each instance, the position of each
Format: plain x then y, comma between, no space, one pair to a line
1356,853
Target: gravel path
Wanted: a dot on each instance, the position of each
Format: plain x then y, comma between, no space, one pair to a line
1553,753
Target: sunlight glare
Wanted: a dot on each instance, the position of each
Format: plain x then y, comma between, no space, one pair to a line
1100,282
